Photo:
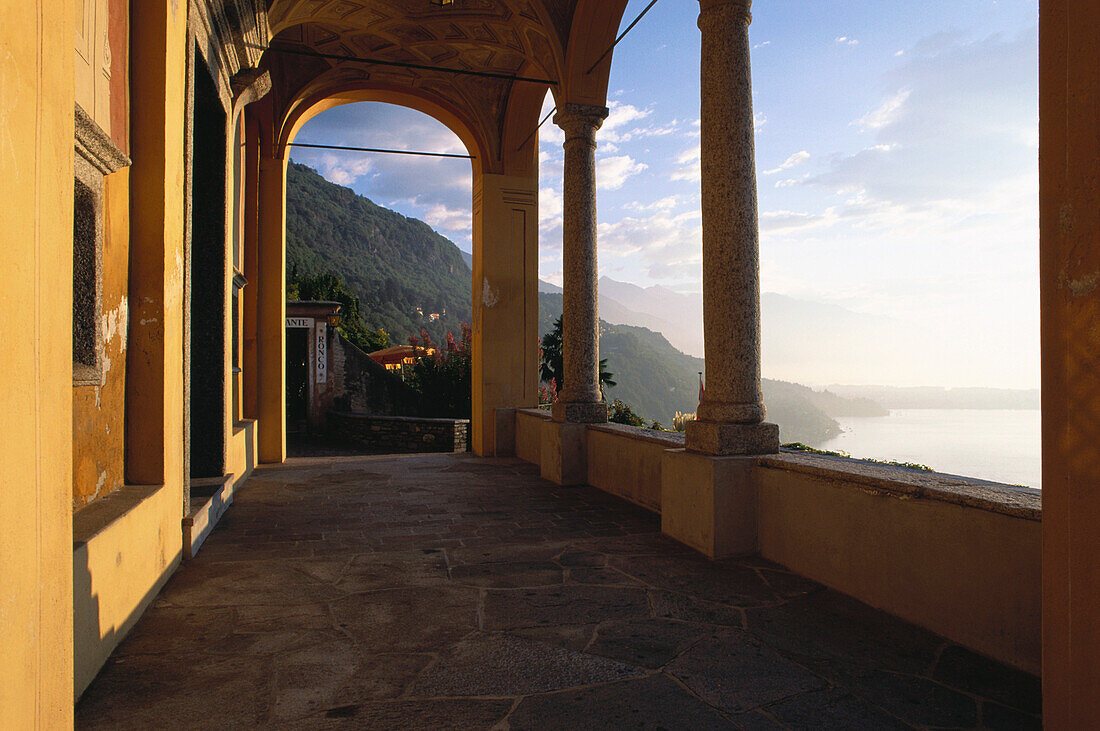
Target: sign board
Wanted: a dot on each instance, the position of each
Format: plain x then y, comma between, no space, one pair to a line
322,351
299,322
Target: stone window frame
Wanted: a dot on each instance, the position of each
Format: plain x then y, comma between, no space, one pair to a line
95,157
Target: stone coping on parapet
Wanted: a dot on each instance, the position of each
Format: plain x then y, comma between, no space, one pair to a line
1012,500
671,439
94,517
539,413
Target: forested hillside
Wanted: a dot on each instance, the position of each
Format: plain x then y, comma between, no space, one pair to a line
393,263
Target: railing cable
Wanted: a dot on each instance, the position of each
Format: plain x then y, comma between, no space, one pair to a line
380,150
621,35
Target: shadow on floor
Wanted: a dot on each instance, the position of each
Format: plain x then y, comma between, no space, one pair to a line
449,591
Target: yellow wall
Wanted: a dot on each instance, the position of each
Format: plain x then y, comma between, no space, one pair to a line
36,187
118,571
1069,206
505,306
968,574
626,463
99,412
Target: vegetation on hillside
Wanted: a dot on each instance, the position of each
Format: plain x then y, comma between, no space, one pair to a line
392,263
329,287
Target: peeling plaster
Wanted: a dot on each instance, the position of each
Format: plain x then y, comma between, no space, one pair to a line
488,296
114,323
1084,286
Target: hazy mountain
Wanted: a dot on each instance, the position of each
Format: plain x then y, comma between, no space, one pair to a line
395,264
657,380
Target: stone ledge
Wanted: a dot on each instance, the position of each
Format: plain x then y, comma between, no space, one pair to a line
1015,501
537,413
95,517
672,440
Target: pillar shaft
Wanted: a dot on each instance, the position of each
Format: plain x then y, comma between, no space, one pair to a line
505,271
580,399
731,257
271,315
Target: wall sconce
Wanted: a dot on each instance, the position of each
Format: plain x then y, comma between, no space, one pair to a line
441,3
333,320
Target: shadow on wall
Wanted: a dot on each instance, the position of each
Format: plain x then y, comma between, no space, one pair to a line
125,548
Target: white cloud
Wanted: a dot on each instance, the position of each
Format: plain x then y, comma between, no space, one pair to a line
762,44
794,160
887,113
343,169
550,207
612,172
846,41
689,169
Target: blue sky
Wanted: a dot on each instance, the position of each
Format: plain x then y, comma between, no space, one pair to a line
897,168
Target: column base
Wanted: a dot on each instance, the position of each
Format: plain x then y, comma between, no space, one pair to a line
709,503
563,453
579,413
708,437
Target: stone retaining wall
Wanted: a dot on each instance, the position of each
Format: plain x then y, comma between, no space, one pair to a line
399,434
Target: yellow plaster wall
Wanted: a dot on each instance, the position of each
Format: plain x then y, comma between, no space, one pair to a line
271,311
154,448
99,412
628,464
242,450
529,436
1069,260
505,306
970,575
36,187
117,573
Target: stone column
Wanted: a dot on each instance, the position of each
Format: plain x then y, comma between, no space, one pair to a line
732,411
580,400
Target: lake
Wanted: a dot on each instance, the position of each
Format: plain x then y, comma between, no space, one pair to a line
998,445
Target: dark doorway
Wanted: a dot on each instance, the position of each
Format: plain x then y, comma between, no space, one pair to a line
207,280
297,380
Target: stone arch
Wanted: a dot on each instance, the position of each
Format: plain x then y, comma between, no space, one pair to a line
595,25
310,105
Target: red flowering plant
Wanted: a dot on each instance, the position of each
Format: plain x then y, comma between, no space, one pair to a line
442,378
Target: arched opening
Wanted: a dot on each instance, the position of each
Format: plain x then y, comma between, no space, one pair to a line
390,237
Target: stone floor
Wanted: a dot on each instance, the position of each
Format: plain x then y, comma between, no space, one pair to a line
448,591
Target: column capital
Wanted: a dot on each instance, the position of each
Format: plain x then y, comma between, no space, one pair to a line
580,120
741,7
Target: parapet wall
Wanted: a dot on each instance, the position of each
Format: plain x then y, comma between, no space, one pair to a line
400,434
958,556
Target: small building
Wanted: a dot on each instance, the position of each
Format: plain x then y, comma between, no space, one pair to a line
397,357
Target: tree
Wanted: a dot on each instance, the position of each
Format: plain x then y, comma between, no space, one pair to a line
443,379
329,287
620,413
551,366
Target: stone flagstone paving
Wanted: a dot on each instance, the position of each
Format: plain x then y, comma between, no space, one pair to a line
449,591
